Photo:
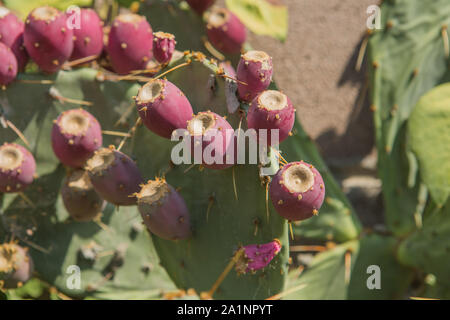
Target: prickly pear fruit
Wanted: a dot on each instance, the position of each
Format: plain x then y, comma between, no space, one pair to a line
17,168
212,137
163,107
76,134
130,43
164,211
115,176
47,38
297,191
11,34
200,6
79,197
8,65
254,73
163,46
257,256
88,39
16,265
225,31
272,110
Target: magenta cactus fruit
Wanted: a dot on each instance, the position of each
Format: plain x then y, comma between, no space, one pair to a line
88,39
272,110
79,197
8,65
48,40
11,34
225,31
163,46
212,137
16,265
254,73
130,43
257,256
163,107
76,134
115,176
297,191
17,168
200,6
163,210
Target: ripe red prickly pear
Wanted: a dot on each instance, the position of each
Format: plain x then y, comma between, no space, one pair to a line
76,134
88,39
130,43
115,176
16,265
255,70
213,133
257,256
47,38
79,197
297,191
272,110
163,107
17,168
164,211
163,46
8,65
225,31
200,6
11,34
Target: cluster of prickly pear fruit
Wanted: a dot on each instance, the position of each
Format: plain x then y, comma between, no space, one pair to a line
52,42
